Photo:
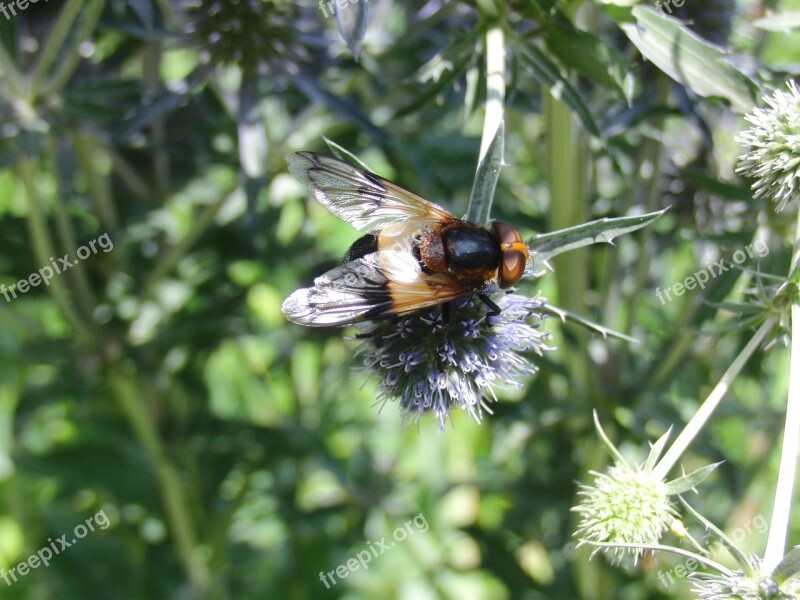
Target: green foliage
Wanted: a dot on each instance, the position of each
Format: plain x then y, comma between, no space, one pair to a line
235,455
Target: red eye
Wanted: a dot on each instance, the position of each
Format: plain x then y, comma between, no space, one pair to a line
505,233
515,254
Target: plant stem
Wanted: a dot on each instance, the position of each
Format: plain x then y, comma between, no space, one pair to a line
52,49
73,57
566,172
66,234
176,505
495,86
97,185
492,138
784,489
11,75
702,415
43,250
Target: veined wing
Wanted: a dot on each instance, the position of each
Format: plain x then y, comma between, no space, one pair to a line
377,286
366,201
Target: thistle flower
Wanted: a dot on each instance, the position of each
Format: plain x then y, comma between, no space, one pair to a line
747,583
625,511
627,506
430,365
774,140
740,586
256,32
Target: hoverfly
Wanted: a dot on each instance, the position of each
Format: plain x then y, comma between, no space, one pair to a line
414,254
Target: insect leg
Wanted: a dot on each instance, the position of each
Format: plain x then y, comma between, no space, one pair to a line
446,313
494,310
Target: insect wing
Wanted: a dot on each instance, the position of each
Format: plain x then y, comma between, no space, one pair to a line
379,285
361,198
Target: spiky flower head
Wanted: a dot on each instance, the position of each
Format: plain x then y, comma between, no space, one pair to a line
773,159
624,506
430,364
741,585
255,32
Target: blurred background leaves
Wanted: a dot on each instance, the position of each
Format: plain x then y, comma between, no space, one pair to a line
236,455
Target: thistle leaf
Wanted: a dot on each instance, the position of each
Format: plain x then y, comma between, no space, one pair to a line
343,154
566,315
547,245
788,567
612,449
656,450
730,546
352,19
689,481
480,200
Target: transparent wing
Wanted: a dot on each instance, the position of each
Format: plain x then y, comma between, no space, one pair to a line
361,198
379,285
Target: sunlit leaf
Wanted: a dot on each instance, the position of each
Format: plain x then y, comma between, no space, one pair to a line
689,59
784,22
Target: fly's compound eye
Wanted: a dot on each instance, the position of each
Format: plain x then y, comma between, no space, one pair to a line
514,254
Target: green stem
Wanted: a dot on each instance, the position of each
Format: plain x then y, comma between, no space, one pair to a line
99,194
480,202
77,275
495,85
176,506
565,179
73,56
151,66
43,249
784,489
705,411
11,74
52,49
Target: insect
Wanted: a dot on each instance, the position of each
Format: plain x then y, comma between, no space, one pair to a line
414,254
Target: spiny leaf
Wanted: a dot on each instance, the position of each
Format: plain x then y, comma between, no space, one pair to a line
344,154
607,442
691,480
352,19
566,315
547,245
730,546
788,567
480,200
656,450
